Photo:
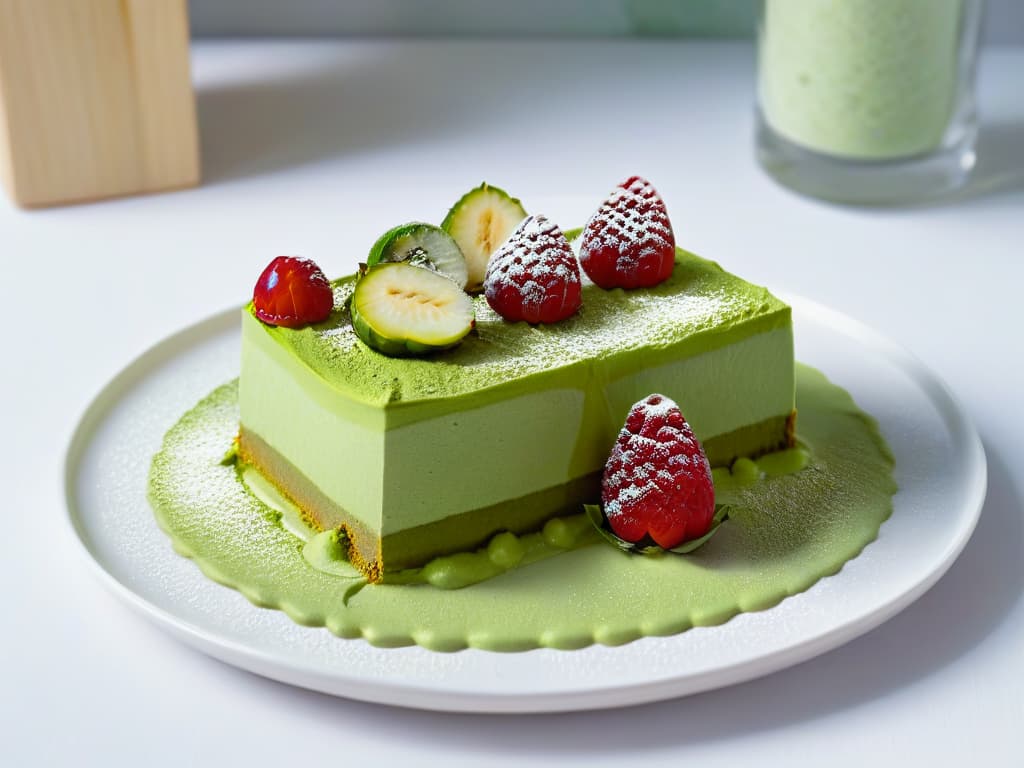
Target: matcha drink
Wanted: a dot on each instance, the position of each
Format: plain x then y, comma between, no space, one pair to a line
872,79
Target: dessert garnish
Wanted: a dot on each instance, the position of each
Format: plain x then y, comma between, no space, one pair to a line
628,242
402,310
656,492
423,245
292,292
534,275
480,222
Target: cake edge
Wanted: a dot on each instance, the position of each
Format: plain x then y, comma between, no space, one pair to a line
468,530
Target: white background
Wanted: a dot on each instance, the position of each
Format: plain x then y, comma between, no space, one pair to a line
315,149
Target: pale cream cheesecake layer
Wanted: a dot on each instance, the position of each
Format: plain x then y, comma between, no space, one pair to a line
537,441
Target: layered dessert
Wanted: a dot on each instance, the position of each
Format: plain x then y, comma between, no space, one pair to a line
419,446
471,469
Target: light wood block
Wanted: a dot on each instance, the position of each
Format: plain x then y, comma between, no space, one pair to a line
96,99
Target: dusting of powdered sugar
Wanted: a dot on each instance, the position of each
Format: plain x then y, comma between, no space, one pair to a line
697,299
632,223
192,483
534,265
654,450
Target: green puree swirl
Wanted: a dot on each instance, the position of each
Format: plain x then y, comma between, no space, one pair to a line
326,551
787,531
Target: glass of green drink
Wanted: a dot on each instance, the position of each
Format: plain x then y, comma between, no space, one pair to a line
868,101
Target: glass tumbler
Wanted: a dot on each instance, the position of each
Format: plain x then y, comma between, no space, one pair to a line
868,101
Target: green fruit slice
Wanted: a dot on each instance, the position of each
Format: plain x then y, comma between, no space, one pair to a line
423,245
402,310
480,222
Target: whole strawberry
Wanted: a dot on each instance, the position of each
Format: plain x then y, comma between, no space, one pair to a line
292,292
657,482
629,242
534,276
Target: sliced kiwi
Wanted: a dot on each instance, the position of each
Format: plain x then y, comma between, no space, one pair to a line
402,310
423,245
480,222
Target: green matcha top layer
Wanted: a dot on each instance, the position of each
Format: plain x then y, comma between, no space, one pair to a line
700,308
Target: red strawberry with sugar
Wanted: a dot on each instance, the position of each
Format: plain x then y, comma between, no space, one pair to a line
657,482
292,292
534,276
629,242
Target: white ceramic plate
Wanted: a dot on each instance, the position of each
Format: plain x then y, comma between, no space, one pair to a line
940,468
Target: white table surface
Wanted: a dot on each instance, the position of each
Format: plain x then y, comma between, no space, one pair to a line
315,148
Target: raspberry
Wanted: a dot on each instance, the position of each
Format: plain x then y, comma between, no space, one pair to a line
657,482
534,276
292,292
628,242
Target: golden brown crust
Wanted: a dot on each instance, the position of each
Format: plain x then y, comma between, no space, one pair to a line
791,429
364,550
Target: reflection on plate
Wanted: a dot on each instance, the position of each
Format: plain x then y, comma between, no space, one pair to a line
940,470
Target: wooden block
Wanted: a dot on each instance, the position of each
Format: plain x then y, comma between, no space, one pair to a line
96,99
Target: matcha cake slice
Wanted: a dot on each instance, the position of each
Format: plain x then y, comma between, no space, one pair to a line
417,457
